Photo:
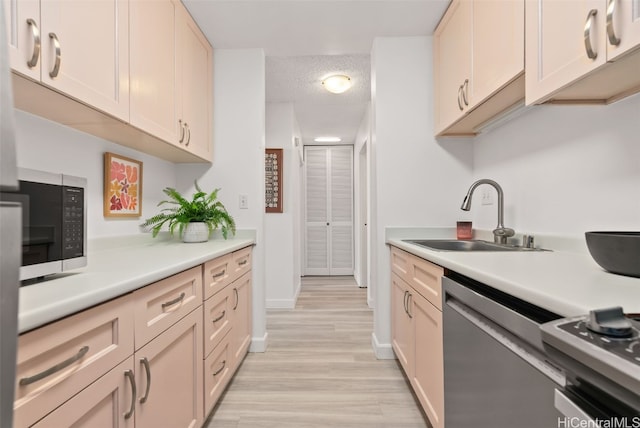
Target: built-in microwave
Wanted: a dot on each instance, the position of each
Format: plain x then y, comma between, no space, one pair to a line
54,222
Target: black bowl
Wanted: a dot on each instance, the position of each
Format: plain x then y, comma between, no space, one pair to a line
616,252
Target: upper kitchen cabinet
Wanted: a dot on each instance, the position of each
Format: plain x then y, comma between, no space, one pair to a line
78,48
170,75
478,64
194,70
582,51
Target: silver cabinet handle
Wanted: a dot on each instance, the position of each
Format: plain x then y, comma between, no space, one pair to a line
409,297
587,35
406,293
186,125
243,262
134,392
220,317
235,290
56,66
54,369
460,98
465,92
178,299
35,31
611,32
181,131
217,372
219,274
147,369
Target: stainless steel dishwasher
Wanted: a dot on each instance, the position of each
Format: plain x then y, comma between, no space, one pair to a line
496,373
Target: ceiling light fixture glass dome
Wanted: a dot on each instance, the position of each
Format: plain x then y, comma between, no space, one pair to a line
337,83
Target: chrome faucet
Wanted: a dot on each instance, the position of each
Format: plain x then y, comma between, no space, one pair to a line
500,233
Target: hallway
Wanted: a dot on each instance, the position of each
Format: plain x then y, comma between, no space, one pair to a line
319,369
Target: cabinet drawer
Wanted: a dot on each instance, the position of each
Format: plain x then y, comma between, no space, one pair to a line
217,318
400,263
217,274
426,279
241,263
56,361
159,305
217,372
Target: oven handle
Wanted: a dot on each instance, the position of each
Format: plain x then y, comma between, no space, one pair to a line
571,410
507,340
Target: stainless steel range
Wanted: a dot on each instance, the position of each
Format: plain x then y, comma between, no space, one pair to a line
601,356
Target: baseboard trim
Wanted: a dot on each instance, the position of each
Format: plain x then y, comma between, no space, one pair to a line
371,303
280,303
259,344
383,351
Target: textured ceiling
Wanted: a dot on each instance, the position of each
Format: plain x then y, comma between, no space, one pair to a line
305,40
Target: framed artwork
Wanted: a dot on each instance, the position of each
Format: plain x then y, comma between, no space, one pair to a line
273,180
122,186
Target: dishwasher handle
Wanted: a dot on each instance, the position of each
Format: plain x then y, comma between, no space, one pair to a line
571,410
508,340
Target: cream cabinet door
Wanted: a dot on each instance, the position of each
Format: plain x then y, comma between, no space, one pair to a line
153,93
241,321
24,35
169,377
85,52
428,375
557,49
498,46
194,69
401,327
452,64
623,27
107,403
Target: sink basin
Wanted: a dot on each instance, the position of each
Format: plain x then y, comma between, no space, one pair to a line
471,245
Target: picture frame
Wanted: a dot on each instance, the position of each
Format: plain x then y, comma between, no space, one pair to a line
122,186
273,180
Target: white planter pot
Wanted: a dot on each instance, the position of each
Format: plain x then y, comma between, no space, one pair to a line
195,232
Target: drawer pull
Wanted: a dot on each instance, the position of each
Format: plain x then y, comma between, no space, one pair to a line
147,369
178,299
611,33
219,274
51,370
36,43
220,317
56,66
242,263
134,392
224,363
235,290
591,54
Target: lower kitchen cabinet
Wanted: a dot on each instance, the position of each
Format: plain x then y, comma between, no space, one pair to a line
217,372
168,375
416,329
241,331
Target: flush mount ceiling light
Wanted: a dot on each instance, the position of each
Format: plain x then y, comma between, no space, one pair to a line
337,83
327,139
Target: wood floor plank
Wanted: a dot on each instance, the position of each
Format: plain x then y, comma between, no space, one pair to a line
319,370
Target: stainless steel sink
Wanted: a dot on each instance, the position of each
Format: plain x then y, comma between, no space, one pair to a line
471,245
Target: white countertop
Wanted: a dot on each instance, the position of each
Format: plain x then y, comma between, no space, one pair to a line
568,283
117,266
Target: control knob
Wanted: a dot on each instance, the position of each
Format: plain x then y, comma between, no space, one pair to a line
610,322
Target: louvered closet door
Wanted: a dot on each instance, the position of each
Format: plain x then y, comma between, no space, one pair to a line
329,211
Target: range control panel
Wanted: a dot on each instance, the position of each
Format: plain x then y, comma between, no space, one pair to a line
625,347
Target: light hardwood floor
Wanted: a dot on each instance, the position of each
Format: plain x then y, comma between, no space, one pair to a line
319,369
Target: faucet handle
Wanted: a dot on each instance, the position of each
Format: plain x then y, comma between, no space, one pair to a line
527,241
501,234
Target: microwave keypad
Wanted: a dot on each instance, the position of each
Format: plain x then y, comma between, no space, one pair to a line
73,222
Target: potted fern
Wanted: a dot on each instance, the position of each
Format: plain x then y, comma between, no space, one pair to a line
195,219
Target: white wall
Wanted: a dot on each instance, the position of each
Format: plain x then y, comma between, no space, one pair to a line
564,169
238,158
361,168
282,230
414,177
49,146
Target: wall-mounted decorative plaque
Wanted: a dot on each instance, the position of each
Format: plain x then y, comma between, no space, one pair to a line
273,180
